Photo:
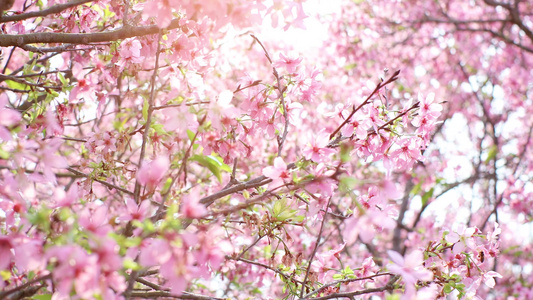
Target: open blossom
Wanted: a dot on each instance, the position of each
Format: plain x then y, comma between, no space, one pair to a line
462,238
130,50
151,173
8,117
161,10
6,244
428,106
136,212
191,207
488,278
278,173
410,268
408,152
317,149
289,62
75,269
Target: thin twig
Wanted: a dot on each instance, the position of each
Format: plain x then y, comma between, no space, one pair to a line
4,294
314,250
109,185
137,190
393,78
344,281
281,90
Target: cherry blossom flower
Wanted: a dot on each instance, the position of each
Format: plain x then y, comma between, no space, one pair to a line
411,270
151,173
322,183
289,62
94,220
191,207
75,268
65,199
136,212
428,106
8,118
130,51
462,238
488,278
317,150
6,244
367,267
278,173
160,10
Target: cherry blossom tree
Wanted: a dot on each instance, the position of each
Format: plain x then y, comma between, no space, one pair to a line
172,149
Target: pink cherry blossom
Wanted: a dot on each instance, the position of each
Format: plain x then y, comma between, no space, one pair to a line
8,118
278,173
288,62
130,51
136,212
410,268
150,174
317,149
160,10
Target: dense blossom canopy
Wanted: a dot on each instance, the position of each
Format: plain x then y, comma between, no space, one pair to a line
191,149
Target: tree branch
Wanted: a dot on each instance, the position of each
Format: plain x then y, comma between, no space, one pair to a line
125,32
314,250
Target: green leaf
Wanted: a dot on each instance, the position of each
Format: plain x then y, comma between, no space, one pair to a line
348,271
393,297
345,153
427,195
42,297
145,109
493,151
278,207
416,189
214,164
282,211
130,264
166,187
338,276
62,78
190,134
5,274
3,154
17,86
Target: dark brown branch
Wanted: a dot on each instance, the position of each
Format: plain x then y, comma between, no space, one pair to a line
24,286
125,32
